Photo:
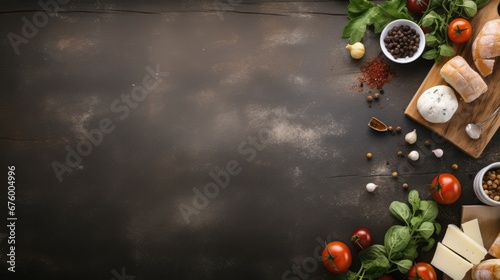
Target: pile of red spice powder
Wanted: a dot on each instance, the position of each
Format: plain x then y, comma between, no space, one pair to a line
376,73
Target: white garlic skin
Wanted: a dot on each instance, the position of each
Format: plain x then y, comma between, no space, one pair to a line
438,152
370,187
411,137
414,155
357,50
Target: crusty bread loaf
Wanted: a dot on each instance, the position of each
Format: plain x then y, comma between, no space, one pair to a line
467,82
486,47
486,270
494,250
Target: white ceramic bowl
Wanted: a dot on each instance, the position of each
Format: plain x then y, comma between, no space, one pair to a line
411,24
478,186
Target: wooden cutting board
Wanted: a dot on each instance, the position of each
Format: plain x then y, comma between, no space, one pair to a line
476,111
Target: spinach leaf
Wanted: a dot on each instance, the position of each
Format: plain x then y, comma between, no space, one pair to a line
410,252
400,211
437,227
430,243
377,267
416,221
396,239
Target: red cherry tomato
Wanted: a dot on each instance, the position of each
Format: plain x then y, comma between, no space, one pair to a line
361,238
386,277
336,257
445,188
459,30
422,271
417,7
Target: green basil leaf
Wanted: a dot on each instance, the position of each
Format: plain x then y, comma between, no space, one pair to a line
404,266
414,199
377,267
410,252
431,40
400,211
426,229
429,19
470,8
430,243
416,221
430,54
429,210
437,227
446,50
396,239
371,253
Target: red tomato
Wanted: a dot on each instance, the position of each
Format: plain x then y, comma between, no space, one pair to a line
386,277
417,7
445,188
459,30
422,271
336,257
361,238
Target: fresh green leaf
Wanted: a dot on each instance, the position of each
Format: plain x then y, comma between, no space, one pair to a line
410,252
431,40
400,211
416,221
396,239
429,19
356,28
426,229
429,210
358,7
369,254
430,243
414,200
404,266
470,8
437,227
377,267
481,3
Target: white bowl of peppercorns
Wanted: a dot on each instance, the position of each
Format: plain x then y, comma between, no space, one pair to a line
402,41
487,184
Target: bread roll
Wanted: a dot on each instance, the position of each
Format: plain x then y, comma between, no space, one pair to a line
486,47
467,82
487,270
494,250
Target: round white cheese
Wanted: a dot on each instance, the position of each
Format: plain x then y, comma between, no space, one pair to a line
437,104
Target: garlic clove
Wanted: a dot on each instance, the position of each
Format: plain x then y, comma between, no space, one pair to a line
414,155
357,50
370,187
438,152
411,137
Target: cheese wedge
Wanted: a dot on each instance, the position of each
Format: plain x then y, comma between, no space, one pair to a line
459,242
471,229
450,263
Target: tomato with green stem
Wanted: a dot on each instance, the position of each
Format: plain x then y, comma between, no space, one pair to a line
445,188
361,238
336,257
422,271
459,30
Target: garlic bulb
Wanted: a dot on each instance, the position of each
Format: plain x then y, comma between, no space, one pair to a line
438,152
357,50
414,155
370,187
411,137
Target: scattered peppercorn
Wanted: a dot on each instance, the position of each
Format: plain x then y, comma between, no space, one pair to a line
454,166
369,98
394,174
376,95
369,155
398,129
405,186
390,128
400,154
427,143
